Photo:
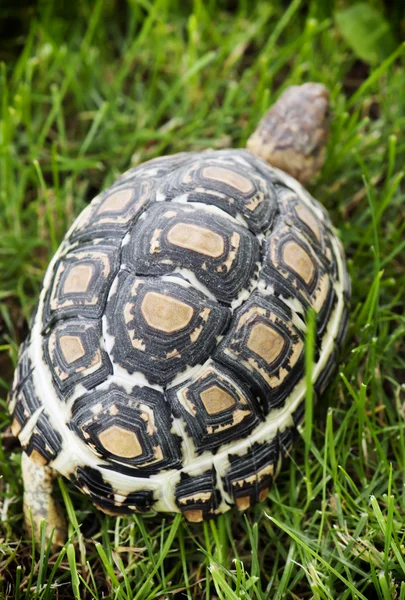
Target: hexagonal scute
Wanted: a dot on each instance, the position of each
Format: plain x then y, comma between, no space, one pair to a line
215,408
73,351
81,282
160,327
131,430
220,253
265,348
292,269
111,213
218,179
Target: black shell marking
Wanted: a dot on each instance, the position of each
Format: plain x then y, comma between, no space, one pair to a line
110,215
101,493
197,496
236,189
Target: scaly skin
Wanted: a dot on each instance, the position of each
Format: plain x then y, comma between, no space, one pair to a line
293,133
39,503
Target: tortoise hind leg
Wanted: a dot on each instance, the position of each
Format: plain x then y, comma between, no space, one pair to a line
39,503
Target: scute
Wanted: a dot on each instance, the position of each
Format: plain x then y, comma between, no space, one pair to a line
293,271
197,496
264,347
74,352
44,443
103,496
29,418
249,477
234,188
81,282
24,402
215,408
161,339
155,169
110,215
132,429
219,252
165,367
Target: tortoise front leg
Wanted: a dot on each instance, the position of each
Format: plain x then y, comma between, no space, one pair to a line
38,501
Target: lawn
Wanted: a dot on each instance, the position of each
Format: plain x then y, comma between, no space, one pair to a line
90,88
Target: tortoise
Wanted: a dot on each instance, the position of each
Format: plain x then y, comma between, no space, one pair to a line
164,370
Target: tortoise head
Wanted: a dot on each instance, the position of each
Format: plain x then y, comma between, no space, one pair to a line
293,133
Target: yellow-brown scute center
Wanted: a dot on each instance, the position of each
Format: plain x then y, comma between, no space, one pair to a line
216,400
199,239
78,279
165,313
116,202
266,342
72,347
299,261
235,180
121,442
308,218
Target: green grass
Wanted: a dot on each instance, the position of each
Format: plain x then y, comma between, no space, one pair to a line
86,92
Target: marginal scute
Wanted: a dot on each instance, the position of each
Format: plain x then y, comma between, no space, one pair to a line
197,496
325,376
101,493
249,477
24,401
45,441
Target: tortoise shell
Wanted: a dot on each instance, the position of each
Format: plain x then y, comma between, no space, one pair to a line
165,366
